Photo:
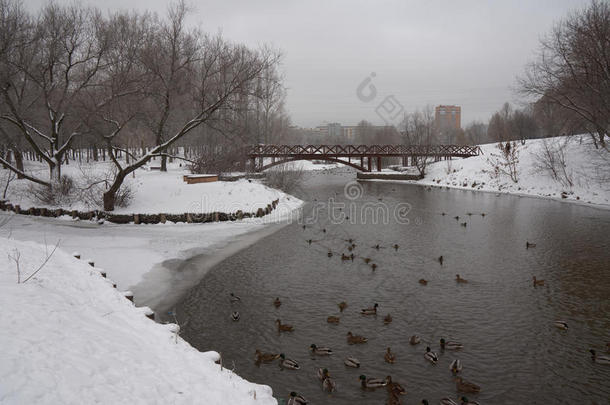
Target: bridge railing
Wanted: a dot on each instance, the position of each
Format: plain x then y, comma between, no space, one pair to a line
362,150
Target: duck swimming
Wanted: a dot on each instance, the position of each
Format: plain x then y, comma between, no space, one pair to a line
342,305
414,340
235,316
370,311
352,362
355,339
460,279
389,357
466,386
430,356
372,383
561,325
283,327
423,281
296,399
277,302
320,351
387,319
451,345
538,282
455,366
599,359
265,357
394,388
234,298
333,319
288,363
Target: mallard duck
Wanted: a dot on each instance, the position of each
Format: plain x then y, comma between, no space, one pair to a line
561,325
537,282
370,311
277,302
372,383
395,246
355,339
430,356
265,357
460,279
423,281
451,345
374,266
235,315
333,319
466,401
529,245
440,260
446,401
466,386
322,373
283,327
320,351
387,319
328,384
455,366
296,399
389,357
234,298
288,363
599,359
352,362
394,388
414,340
342,305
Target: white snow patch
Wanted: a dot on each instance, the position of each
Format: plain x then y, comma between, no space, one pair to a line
67,337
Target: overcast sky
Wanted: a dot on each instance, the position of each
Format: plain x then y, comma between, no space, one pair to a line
465,52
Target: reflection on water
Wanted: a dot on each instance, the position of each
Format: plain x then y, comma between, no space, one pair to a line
511,347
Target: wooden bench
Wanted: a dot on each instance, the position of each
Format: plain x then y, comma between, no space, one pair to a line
199,178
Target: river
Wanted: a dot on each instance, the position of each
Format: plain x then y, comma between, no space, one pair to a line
512,348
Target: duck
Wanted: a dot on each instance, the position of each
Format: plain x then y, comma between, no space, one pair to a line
333,319
395,246
529,245
423,281
296,399
466,401
414,340
352,362
370,311
457,217
344,257
599,359
440,260
394,388
466,386
537,282
460,279
235,316
464,224
329,384
389,357
283,327
288,363
320,351
277,302
367,260
469,214
265,357
455,366
329,254
377,247
342,305
561,325
482,214
234,298
374,266
355,339
430,356
387,319
322,373
444,401
451,345
372,383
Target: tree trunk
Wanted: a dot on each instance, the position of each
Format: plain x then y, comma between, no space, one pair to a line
18,162
110,194
163,163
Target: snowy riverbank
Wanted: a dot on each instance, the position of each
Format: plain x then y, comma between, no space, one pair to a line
587,168
68,337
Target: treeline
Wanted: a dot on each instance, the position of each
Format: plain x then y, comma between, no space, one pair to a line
130,84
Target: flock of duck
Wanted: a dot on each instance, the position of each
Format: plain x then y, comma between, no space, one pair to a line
394,389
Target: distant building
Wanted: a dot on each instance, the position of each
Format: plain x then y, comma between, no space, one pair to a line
448,121
349,132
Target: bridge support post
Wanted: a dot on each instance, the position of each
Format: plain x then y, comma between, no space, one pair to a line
253,164
378,163
361,162
369,162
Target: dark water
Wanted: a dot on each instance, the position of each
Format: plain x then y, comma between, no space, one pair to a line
511,347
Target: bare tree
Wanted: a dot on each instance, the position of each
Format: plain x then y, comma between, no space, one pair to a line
419,129
573,68
56,59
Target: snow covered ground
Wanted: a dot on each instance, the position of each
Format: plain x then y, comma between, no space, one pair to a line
68,337
587,167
